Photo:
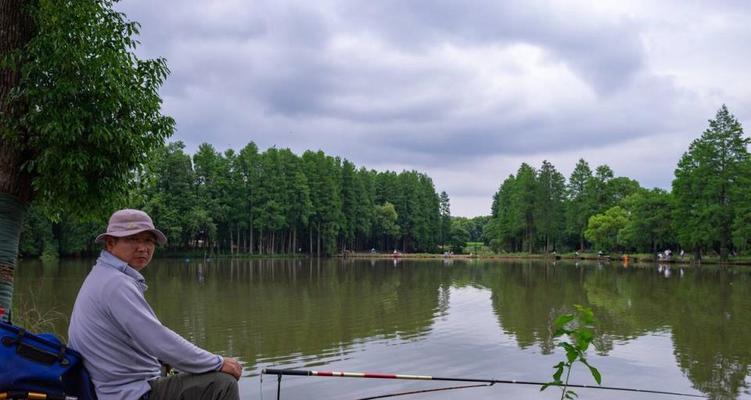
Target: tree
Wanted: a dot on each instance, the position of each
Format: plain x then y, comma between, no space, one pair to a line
80,112
602,229
550,195
523,205
649,224
459,236
445,210
707,186
169,191
598,192
579,208
500,229
385,222
322,176
247,167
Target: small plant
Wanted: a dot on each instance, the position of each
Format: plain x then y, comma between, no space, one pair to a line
33,318
579,328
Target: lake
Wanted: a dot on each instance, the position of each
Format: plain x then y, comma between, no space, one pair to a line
659,327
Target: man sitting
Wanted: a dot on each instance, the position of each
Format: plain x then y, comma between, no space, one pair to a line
120,337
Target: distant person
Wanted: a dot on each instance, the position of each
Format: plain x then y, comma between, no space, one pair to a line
120,337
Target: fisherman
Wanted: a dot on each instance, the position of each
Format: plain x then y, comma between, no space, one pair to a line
120,337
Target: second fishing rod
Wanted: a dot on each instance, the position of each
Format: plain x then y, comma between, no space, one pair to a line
372,375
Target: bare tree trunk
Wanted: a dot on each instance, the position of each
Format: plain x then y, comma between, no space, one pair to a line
260,240
230,239
318,251
16,29
294,241
250,228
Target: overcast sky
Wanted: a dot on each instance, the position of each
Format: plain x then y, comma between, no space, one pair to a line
464,91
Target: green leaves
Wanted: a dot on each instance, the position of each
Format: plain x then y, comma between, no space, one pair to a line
91,110
708,187
579,328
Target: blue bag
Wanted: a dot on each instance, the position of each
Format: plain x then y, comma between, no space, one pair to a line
41,364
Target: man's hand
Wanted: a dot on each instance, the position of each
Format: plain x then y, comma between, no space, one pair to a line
232,367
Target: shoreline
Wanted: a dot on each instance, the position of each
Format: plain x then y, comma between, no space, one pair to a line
626,258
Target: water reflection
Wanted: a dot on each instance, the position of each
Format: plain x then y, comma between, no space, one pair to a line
309,312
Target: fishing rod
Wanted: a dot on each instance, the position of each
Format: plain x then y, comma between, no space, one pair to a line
373,375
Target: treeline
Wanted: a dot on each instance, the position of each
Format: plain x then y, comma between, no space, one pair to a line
707,211
271,202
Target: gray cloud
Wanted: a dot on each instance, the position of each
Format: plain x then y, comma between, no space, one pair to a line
442,85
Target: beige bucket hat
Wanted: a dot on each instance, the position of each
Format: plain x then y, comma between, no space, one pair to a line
129,222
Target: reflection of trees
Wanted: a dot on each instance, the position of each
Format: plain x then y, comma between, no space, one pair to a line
49,290
527,297
707,315
269,309
711,331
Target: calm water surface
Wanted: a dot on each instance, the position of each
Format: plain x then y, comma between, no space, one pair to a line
671,329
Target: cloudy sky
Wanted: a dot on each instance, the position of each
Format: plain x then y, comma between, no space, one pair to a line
464,91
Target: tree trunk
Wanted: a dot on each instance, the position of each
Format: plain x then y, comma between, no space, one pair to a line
250,228
260,240
294,240
11,218
16,28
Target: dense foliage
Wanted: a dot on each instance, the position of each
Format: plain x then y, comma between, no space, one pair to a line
709,209
79,112
277,202
87,109
271,202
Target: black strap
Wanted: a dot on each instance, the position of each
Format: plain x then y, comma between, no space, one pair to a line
29,351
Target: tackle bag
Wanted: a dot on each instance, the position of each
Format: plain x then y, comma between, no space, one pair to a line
41,364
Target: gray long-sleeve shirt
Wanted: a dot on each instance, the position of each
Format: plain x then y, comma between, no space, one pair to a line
120,337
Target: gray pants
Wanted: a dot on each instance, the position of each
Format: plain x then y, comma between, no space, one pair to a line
208,386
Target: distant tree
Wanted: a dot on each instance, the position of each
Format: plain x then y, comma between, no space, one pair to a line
298,205
579,201
649,224
476,228
708,195
459,236
619,188
602,229
523,206
549,208
385,223
211,176
598,190
500,229
445,217
79,113
249,175
321,172
169,193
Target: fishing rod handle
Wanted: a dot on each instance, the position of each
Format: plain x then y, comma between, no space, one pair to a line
272,371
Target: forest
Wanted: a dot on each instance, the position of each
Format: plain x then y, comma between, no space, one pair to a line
708,210
275,202
270,202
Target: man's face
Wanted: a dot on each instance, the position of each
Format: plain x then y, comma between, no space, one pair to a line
136,250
